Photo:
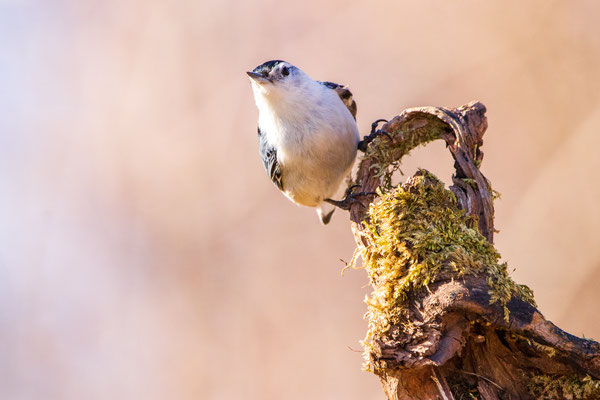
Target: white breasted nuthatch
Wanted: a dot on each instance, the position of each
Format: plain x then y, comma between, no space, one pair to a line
307,133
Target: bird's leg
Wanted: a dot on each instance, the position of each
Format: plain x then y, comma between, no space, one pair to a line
349,198
362,145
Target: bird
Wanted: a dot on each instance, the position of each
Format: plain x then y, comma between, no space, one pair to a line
307,134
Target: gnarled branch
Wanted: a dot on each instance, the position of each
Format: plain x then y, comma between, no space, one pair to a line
445,319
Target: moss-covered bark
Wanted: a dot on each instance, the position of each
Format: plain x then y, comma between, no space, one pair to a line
445,318
417,237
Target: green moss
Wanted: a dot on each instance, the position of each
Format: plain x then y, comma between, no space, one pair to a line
419,236
540,348
470,182
564,387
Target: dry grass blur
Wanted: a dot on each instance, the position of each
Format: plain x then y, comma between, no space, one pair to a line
145,254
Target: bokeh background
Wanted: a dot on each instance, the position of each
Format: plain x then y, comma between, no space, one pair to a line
144,254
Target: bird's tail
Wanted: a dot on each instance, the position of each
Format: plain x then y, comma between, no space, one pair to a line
324,216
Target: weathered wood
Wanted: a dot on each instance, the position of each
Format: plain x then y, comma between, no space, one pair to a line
463,342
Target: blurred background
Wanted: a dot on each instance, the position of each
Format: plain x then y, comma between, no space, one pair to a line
144,253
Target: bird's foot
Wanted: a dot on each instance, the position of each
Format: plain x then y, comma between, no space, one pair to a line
363,144
349,198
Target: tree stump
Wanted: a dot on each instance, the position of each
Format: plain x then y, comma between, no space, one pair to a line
445,319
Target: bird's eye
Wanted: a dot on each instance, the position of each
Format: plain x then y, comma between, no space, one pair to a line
285,71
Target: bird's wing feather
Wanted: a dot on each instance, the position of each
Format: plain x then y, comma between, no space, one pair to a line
268,153
345,95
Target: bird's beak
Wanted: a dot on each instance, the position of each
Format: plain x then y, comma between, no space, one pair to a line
258,78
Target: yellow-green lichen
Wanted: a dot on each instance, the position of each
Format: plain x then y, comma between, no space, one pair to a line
418,236
564,387
540,348
470,182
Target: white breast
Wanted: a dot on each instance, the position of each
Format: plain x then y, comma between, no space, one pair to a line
316,139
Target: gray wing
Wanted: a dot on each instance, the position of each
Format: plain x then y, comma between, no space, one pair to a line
268,154
345,95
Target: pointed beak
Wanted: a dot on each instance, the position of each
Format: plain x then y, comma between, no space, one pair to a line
258,78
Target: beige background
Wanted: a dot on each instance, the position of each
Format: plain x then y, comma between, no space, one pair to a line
144,254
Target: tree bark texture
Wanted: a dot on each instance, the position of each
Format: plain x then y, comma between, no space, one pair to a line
454,337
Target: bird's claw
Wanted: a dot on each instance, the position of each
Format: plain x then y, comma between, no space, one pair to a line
350,189
363,144
375,124
349,198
